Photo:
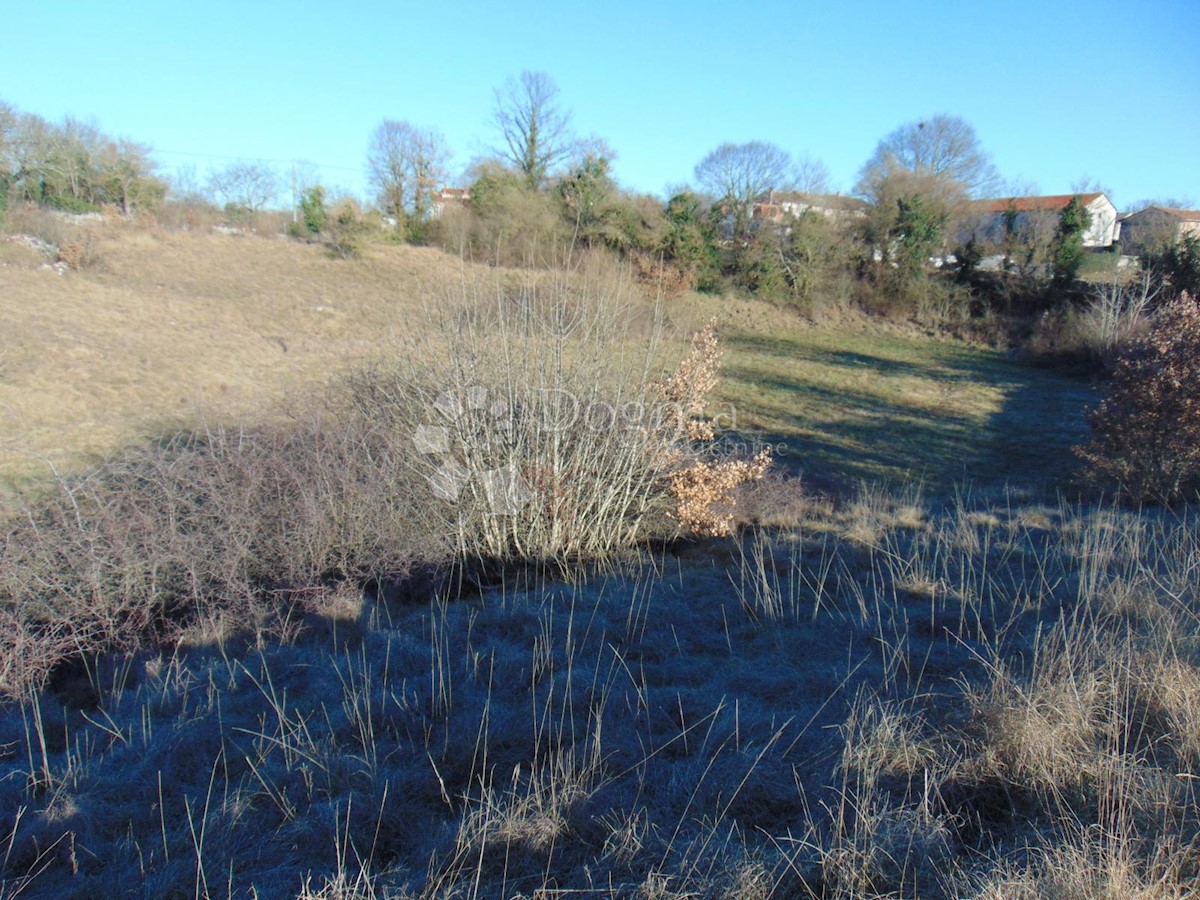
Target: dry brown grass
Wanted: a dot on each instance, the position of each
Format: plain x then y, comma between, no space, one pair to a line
172,323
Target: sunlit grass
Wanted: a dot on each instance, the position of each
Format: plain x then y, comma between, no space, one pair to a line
871,404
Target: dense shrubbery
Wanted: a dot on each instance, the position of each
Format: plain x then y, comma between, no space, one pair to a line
72,167
1147,429
1178,263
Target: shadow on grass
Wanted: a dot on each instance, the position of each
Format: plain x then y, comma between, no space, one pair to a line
897,410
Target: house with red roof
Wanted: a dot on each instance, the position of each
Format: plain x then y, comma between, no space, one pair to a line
449,197
1040,215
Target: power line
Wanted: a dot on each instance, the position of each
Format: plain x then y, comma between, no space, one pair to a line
260,159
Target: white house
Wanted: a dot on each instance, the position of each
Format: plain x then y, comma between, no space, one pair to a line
777,205
1035,214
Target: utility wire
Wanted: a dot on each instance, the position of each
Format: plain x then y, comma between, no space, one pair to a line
261,159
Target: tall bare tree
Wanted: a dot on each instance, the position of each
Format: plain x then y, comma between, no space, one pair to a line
536,134
126,174
737,174
811,175
250,185
406,164
943,153
930,169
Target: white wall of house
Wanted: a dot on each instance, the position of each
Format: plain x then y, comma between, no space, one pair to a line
1103,230
1038,225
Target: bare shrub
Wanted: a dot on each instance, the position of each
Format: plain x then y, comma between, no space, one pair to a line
348,231
80,250
1147,429
536,421
527,424
226,524
661,277
778,500
1116,313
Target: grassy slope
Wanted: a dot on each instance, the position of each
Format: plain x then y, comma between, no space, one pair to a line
169,325
864,402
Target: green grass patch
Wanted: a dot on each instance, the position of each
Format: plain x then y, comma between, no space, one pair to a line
853,404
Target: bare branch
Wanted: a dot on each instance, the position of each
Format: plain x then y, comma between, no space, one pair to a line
406,164
536,133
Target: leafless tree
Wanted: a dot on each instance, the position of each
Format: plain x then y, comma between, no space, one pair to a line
406,164
811,175
737,174
127,176
251,185
938,160
1089,185
943,152
536,135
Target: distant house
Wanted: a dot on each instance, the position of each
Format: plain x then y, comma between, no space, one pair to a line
449,197
776,206
1039,214
1158,225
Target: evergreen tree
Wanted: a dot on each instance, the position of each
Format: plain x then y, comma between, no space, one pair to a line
1067,250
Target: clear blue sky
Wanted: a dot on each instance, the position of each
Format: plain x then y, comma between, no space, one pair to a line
1056,91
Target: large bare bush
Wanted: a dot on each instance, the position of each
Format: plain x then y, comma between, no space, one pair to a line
536,422
1147,429
525,423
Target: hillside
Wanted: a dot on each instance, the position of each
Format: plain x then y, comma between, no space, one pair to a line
166,328
248,663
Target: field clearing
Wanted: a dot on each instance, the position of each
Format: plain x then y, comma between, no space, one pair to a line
226,668
169,328
171,325
863,404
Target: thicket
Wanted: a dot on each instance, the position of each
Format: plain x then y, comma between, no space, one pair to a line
1147,429
884,259
72,167
1178,263
894,258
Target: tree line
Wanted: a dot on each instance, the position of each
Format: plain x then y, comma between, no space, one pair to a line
544,186
72,166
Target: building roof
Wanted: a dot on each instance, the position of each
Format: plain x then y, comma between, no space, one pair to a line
819,201
1188,215
1052,203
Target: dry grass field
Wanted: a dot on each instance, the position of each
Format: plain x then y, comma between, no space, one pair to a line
166,326
920,670
169,327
